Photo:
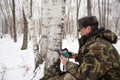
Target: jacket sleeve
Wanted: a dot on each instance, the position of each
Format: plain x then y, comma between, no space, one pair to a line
74,70
91,68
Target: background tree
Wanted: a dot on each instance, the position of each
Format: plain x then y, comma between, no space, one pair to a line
36,32
89,12
25,34
71,17
32,28
4,17
14,26
78,7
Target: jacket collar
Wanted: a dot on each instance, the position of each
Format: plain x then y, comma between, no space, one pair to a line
99,33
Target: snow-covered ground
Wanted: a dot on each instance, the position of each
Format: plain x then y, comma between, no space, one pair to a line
17,64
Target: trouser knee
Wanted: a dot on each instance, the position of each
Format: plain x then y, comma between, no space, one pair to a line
68,76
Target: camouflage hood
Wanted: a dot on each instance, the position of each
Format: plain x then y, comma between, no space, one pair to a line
100,33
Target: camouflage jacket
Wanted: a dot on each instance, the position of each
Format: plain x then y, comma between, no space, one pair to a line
97,57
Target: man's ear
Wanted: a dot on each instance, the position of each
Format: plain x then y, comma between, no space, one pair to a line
89,28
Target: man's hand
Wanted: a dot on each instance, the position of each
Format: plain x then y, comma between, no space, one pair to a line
73,55
63,60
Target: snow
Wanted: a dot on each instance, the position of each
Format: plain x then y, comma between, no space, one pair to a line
117,45
17,64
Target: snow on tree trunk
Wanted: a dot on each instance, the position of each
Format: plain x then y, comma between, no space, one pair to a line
52,29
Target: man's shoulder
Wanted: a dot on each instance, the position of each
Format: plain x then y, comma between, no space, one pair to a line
99,42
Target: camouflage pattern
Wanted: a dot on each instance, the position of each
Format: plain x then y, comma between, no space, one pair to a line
98,59
66,76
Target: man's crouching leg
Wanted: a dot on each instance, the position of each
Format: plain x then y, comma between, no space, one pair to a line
66,76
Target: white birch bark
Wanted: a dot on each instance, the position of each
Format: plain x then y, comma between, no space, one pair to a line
31,29
36,17
51,35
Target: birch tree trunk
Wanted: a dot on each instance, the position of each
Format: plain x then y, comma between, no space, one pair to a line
27,21
104,14
71,18
36,37
89,12
108,10
14,26
99,8
1,35
77,14
25,33
75,19
27,5
52,29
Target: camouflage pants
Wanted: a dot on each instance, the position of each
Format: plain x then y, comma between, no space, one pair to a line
66,76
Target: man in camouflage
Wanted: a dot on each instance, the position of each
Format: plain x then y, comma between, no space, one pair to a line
97,58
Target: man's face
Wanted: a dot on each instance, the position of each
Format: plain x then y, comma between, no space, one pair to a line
85,30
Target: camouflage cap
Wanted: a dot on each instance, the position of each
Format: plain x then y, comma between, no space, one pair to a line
88,21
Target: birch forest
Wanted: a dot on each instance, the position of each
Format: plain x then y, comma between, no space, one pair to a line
47,22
